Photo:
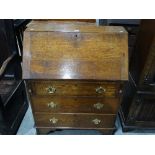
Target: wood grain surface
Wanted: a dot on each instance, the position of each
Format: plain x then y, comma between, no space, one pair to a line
75,104
74,88
71,26
74,120
70,51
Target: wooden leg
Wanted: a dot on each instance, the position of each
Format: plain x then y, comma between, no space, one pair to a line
44,131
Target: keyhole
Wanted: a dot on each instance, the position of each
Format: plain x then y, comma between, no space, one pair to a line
76,35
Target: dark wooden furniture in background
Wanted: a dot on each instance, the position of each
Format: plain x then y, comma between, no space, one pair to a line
20,26
74,74
131,26
13,100
138,102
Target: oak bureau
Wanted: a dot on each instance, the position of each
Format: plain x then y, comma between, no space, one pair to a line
74,73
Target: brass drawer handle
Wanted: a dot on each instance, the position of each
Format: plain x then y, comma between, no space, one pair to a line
96,121
52,105
51,90
53,120
98,105
100,90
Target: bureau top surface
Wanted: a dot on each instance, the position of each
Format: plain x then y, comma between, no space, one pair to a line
61,26
74,50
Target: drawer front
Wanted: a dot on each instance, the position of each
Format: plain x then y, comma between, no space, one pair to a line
75,88
75,104
74,120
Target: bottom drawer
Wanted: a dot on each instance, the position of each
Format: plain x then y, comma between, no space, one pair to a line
75,120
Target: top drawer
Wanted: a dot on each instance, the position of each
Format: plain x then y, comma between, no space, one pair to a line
74,88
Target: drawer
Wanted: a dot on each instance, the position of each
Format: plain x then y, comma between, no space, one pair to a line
75,120
75,104
72,88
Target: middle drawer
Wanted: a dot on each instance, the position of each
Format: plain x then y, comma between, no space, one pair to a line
75,104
